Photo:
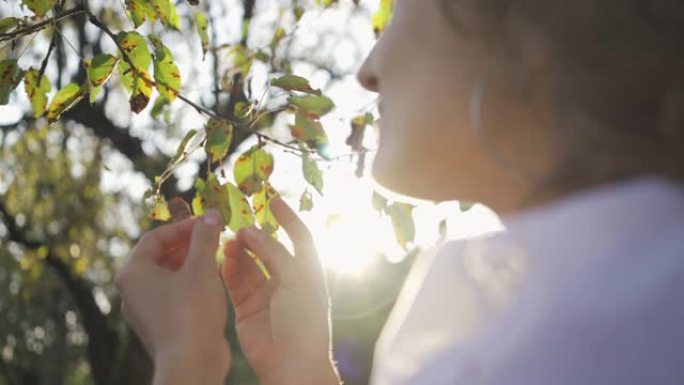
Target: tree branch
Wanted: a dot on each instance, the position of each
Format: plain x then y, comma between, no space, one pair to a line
38,26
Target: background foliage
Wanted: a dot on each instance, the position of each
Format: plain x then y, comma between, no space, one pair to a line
111,112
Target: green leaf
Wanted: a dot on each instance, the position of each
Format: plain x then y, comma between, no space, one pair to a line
240,208
160,210
298,12
138,83
278,36
101,68
443,229
182,147
294,83
138,11
159,106
402,221
10,76
136,48
162,9
174,19
252,169
212,195
306,201
166,73
312,173
309,131
65,98
40,7
219,138
201,23
382,17
358,126
37,90
262,209
317,105
379,202
7,24
326,3
466,206
136,80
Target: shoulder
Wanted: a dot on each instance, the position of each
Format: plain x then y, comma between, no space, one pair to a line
444,300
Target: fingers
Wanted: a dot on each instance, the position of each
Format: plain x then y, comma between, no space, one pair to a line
240,273
294,227
203,243
154,244
277,259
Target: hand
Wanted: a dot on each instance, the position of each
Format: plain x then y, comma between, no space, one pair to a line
283,323
172,296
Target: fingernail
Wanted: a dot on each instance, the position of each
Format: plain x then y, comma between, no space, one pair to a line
211,217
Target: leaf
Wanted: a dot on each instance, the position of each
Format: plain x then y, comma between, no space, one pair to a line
312,173
182,147
138,83
136,80
379,202
212,195
309,131
306,201
278,35
443,229
160,210
138,11
402,221
201,23
382,17
298,12
136,48
162,9
294,83
101,68
240,208
40,7
7,24
174,19
65,98
358,126
465,206
159,106
166,73
252,169
10,76
219,138
326,3
37,91
262,209
317,105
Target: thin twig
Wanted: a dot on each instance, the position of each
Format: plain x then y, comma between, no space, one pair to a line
38,26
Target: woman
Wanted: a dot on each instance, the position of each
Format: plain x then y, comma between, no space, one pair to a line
567,118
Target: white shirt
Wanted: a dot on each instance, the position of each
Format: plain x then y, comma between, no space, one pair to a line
586,291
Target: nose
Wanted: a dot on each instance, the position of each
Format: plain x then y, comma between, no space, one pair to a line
367,75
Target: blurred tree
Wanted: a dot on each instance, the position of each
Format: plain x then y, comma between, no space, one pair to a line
74,165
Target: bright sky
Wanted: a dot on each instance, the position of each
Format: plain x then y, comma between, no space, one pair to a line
347,229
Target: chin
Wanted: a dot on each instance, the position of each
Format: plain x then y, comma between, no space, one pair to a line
405,180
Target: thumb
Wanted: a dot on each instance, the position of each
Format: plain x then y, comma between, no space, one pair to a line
204,243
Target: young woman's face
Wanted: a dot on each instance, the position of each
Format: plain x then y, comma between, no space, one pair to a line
425,73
